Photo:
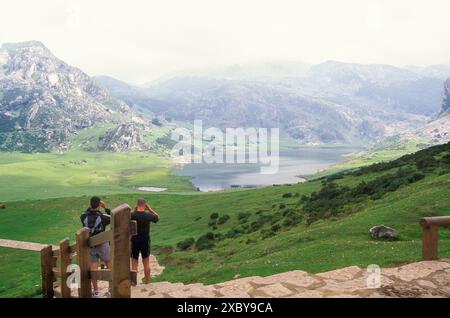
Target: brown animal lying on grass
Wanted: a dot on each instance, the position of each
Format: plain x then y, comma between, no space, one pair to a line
2,206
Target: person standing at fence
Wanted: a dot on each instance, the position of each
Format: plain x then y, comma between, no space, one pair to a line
96,222
140,243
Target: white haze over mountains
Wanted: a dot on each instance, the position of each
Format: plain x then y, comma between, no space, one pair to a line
140,41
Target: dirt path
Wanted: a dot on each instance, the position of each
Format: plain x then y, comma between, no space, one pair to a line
22,245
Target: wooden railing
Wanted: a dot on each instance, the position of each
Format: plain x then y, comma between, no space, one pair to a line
120,277
430,242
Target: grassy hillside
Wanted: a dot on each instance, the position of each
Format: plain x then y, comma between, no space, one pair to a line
316,226
47,175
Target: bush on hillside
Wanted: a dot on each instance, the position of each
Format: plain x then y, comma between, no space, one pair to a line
223,219
266,233
214,215
186,244
205,241
243,217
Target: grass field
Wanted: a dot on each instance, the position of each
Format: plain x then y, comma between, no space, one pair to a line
327,244
50,175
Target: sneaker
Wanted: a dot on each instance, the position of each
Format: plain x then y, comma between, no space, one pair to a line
95,294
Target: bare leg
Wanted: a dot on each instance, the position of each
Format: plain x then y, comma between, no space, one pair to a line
134,264
146,263
94,266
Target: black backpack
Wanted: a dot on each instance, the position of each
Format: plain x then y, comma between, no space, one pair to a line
94,223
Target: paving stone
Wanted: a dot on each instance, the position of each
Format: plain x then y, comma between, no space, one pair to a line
342,274
416,270
274,290
238,281
298,278
235,289
426,284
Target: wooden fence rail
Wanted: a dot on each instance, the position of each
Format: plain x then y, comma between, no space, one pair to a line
119,276
430,241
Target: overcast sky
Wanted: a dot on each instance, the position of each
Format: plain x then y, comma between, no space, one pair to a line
140,40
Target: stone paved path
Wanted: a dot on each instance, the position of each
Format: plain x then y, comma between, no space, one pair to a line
422,279
22,245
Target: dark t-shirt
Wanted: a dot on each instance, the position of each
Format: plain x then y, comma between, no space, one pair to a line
143,220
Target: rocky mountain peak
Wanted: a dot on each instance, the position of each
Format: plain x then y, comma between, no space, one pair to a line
42,97
446,99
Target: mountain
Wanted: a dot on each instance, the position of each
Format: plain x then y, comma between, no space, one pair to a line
435,132
252,71
329,103
440,71
44,101
134,96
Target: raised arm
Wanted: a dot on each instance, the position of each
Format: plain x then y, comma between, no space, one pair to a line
153,211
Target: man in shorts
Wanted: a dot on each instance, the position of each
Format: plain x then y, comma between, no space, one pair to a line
96,222
140,243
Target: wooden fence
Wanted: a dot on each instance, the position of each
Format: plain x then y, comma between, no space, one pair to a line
55,262
430,241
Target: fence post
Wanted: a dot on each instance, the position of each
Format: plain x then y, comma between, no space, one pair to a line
84,290
64,252
120,252
430,243
47,271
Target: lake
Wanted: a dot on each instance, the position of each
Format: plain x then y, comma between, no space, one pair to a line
294,163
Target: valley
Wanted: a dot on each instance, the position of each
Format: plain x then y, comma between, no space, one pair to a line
377,135
259,231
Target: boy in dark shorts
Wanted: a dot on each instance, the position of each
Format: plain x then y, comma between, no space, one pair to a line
140,243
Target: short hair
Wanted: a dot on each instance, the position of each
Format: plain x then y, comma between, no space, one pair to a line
95,202
141,202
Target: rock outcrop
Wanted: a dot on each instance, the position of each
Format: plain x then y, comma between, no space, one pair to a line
446,99
125,137
382,232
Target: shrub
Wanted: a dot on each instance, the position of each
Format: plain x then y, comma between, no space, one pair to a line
185,244
282,206
212,223
235,232
254,226
243,216
292,220
276,227
446,159
416,177
205,241
287,195
214,215
223,219
266,233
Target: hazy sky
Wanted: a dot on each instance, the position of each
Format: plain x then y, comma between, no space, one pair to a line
140,40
